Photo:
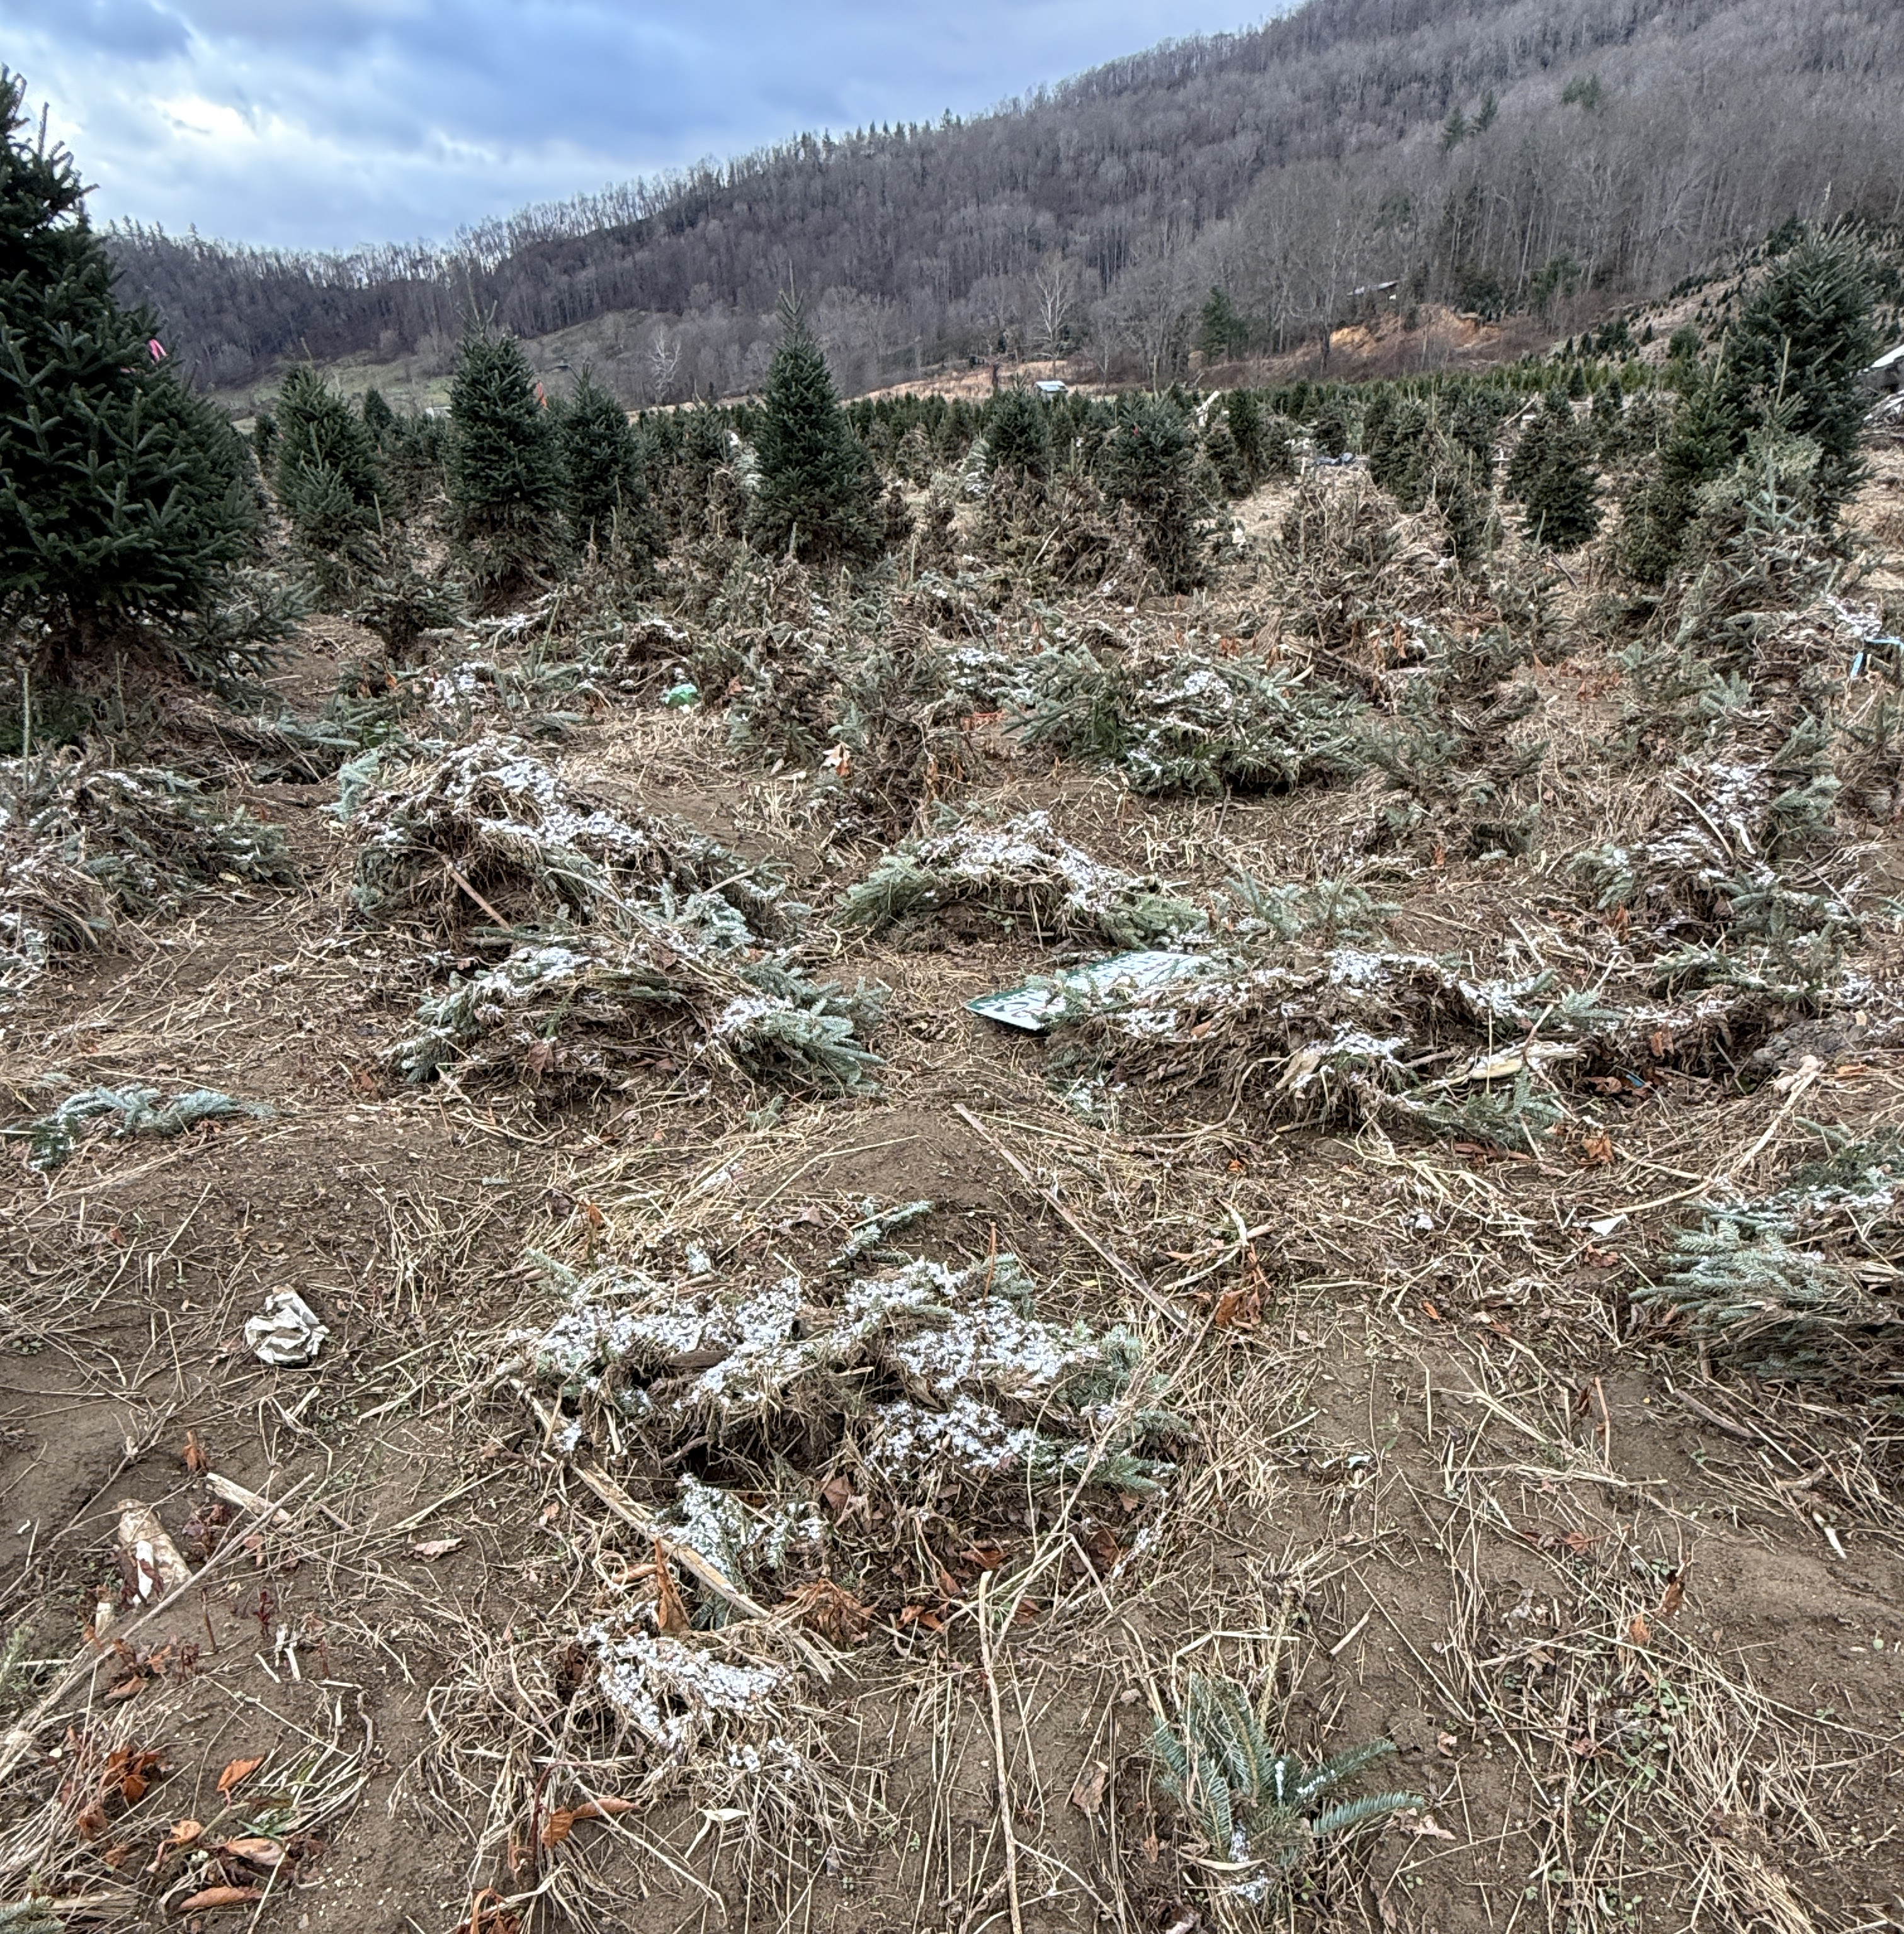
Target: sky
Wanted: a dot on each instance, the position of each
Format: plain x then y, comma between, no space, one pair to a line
325,124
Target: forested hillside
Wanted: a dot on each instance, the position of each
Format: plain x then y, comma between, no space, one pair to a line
1502,155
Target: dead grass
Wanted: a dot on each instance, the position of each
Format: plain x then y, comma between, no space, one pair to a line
1629,1617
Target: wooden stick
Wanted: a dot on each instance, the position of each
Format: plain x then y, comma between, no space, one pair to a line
625,1508
455,875
998,1754
19,1737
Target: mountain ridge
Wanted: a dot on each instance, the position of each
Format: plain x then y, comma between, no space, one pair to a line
1504,154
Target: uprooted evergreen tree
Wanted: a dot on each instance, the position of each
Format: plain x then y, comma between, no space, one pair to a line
125,502
505,470
817,499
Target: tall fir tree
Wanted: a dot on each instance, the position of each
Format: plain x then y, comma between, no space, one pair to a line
1147,463
1473,420
1553,417
125,501
1696,447
505,470
1794,360
379,418
325,470
1333,425
606,490
1221,332
1243,411
1608,420
817,488
1018,435
1563,504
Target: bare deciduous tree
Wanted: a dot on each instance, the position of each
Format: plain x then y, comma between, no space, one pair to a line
1349,143
1055,284
664,363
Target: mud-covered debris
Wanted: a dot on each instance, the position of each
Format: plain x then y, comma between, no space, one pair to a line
151,1563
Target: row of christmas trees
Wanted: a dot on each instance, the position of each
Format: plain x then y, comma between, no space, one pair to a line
127,503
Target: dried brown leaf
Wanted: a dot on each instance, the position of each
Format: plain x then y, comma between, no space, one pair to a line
670,1610
1087,1793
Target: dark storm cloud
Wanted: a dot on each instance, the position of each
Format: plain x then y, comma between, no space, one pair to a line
325,122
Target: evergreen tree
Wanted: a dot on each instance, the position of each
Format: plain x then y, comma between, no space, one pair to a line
415,452
1397,441
125,501
1794,359
1331,427
1453,481
1226,463
1696,448
1609,421
1018,435
1377,413
1563,506
607,493
505,469
326,472
1275,447
1473,420
817,487
1222,334
1530,452
400,603
698,447
1147,463
913,456
264,440
1243,411
378,416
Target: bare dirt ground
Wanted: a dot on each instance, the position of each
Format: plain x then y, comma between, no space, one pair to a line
1632,1623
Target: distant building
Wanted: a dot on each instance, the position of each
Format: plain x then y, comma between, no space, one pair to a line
1051,387
1886,376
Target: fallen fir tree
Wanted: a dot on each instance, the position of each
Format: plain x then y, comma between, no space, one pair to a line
677,982
84,844
922,1381
53,1138
1179,718
1021,870
493,824
1792,1287
1420,1043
